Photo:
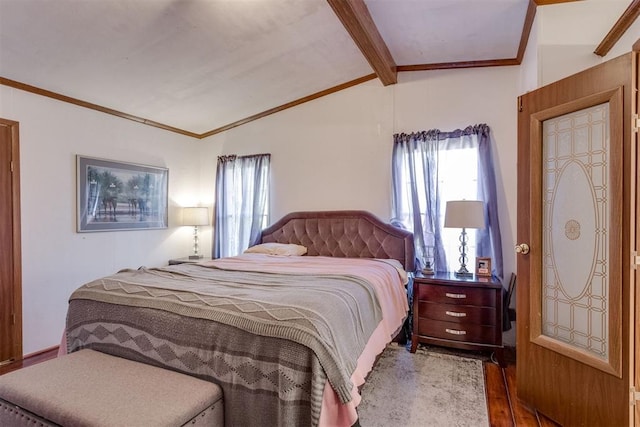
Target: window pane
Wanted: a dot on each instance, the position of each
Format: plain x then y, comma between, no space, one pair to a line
457,180
450,169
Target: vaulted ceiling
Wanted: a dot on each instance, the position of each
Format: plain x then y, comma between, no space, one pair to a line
199,67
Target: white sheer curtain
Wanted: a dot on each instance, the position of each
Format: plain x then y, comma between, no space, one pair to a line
429,168
241,202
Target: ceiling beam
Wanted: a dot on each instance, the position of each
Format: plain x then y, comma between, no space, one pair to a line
620,27
526,29
459,64
357,20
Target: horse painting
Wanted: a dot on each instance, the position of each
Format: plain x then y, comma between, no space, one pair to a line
110,207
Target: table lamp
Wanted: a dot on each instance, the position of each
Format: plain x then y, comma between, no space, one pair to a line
195,216
464,214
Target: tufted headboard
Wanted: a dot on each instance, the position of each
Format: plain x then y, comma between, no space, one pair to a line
347,234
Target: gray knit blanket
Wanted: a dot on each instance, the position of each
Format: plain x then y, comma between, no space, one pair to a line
324,321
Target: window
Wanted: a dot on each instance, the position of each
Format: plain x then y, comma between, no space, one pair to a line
457,180
242,202
433,167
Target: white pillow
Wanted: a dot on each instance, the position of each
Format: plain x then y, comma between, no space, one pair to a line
277,249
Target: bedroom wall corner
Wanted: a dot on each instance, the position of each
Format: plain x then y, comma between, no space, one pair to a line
55,258
529,68
564,46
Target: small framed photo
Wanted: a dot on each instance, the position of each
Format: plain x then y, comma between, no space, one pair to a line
483,266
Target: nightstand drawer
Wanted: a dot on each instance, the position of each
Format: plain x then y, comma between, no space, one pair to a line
456,295
460,314
453,331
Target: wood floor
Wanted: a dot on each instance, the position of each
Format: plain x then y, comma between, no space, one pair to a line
503,406
505,410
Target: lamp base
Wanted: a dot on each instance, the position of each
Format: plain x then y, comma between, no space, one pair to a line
463,272
195,256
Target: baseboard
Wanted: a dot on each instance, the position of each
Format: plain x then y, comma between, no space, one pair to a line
55,348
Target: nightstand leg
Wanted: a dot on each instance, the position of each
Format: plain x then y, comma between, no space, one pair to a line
414,344
499,352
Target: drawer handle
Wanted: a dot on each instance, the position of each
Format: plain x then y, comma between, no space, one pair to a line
455,314
455,332
456,295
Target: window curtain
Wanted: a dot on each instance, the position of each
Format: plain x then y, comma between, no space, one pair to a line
415,201
416,196
242,202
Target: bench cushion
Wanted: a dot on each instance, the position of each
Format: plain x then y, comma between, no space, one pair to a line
91,388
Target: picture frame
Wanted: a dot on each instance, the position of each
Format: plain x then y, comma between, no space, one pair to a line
483,266
117,196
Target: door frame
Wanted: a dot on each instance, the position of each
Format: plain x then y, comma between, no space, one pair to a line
16,339
566,402
635,305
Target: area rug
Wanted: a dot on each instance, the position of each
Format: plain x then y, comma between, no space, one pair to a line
426,388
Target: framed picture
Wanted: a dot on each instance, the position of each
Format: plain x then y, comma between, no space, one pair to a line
114,196
483,266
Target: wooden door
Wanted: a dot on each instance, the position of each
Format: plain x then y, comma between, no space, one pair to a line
576,213
10,258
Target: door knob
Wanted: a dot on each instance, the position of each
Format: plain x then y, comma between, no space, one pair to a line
522,248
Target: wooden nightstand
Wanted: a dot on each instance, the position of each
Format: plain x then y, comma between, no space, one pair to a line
458,312
185,260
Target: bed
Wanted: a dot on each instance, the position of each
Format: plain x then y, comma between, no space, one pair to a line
288,338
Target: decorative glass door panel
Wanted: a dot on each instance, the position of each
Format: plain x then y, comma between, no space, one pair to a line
579,258
574,229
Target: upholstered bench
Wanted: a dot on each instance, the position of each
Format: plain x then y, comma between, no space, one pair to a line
89,388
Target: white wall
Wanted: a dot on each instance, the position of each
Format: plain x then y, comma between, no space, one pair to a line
564,36
335,152
326,154
56,259
529,73
570,32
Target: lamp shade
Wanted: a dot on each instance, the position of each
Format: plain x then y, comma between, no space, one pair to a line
464,214
195,216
